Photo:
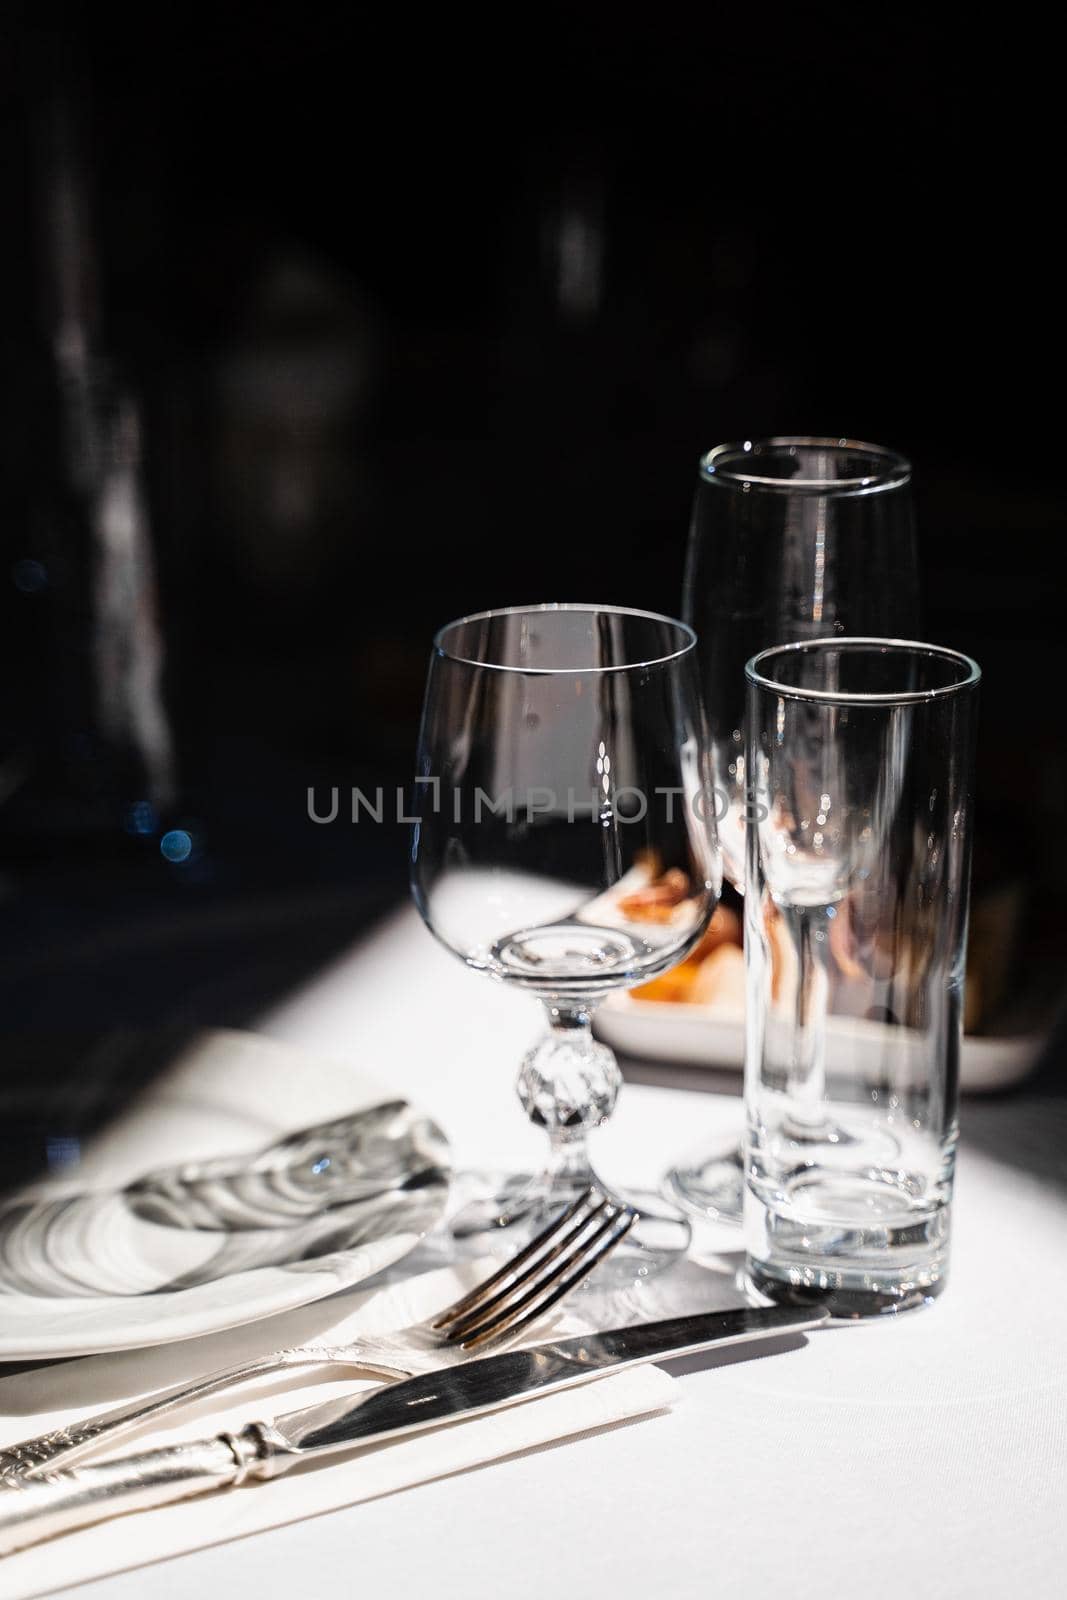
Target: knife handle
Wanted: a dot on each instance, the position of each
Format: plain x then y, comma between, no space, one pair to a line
32,1509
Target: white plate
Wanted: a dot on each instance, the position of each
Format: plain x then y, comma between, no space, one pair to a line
714,1037
226,1095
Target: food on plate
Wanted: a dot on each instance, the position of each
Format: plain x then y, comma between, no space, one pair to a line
722,932
998,919
713,974
655,901
720,980
785,968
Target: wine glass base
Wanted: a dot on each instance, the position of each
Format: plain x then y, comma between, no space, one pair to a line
505,1212
712,1189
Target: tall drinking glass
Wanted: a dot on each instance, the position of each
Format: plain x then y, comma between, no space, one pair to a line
791,539
860,767
565,847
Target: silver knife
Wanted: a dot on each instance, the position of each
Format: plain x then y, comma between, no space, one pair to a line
36,1508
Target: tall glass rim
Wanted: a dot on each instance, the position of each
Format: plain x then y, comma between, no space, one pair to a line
687,638
724,464
759,672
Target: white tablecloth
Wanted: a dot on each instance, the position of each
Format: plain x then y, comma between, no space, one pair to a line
924,1455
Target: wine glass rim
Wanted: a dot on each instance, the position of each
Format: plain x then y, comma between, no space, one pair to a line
756,673
684,630
894,472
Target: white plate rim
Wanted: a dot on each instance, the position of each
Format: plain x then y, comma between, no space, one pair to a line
250,1296
714,1038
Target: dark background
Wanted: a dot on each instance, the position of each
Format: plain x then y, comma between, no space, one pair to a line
425,314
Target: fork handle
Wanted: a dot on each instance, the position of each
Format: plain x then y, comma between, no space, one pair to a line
35,1509
64,1446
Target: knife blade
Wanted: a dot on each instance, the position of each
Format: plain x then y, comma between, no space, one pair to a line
37,1508
483,1385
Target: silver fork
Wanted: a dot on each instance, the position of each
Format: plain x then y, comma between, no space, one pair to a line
493,1313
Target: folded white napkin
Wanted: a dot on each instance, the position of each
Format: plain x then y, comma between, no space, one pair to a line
37,1401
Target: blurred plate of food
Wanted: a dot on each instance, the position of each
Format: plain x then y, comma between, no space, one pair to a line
694,1015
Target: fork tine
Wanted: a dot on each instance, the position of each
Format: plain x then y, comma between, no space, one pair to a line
505,1312
506,1325
479,1293
455,1327
490,1335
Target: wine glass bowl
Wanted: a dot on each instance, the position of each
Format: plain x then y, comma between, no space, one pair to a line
791,539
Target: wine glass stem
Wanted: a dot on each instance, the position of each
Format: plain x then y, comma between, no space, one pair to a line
808,1070
565,1017
568,1084
568,1162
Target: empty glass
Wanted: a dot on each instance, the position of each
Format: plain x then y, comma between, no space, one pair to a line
791,539
860,767
565,846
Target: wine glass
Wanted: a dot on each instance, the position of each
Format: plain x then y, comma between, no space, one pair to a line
791,539
565,845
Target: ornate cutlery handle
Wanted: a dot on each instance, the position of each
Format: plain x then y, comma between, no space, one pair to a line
33,1509
64,1446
